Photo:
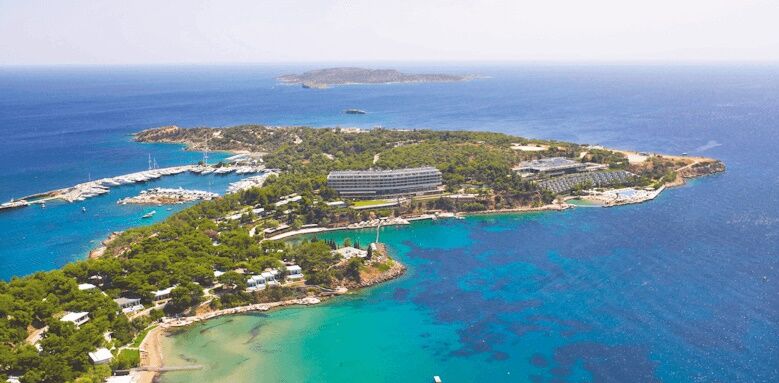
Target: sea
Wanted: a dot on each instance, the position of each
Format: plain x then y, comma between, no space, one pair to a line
684,288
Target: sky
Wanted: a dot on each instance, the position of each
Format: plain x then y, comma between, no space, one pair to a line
34,32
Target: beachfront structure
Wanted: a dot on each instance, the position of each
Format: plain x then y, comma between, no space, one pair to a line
594,179
550,167
351,252
270,277
129,305
163,294
255,282
294,272
100,356
384,183
77,318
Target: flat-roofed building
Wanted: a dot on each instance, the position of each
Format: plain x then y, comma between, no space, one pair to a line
553,166
100,356
129,305
592,179
385,183
294,272
78,318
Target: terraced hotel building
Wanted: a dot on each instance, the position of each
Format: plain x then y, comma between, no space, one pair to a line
384,183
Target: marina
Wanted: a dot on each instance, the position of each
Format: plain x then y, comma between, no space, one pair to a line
93,188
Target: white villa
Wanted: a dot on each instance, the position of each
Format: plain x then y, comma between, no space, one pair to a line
256,282
129,305
78,318
86,286
270,277
100,356
264,279
294,272
351,252
163,294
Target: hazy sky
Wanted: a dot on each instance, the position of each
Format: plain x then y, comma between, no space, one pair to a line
193,31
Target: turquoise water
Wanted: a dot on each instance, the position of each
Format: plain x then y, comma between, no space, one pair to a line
680,289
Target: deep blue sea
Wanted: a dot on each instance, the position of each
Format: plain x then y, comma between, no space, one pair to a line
682,289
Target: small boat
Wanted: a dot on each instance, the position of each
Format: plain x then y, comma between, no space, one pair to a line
83,209
149,214
355,111
43,205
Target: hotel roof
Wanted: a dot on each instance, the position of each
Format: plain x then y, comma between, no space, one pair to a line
546,164
86,286
73,317
406,171
100,355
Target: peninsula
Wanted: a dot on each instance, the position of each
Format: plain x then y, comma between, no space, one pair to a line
322,78
226,255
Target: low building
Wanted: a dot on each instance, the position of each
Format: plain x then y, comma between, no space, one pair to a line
594,179
351,252
294,272
129,305
86,286
549,167
270,277
77,318
255,282
385,183
100,356
162,294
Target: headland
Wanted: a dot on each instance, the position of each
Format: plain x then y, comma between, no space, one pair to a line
225,255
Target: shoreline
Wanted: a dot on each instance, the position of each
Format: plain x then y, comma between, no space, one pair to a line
151,346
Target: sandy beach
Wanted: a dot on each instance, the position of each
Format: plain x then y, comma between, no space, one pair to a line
151,354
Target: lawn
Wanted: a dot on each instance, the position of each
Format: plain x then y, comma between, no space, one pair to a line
141,335
371,202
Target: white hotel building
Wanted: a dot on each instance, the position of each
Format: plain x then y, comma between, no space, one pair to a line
384,183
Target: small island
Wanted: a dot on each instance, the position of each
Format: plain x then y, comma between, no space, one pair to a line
322,78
